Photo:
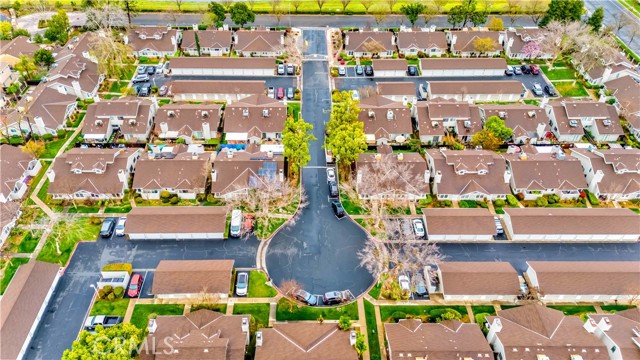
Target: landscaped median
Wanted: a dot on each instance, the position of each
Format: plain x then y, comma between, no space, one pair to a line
260,312
289,310
258,287
393,313
64,237
140,316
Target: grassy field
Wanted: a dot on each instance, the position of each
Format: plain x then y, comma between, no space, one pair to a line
105,307
117,86
29,242
350,206
375,290
416,310
258,287
313,313
274,223
559,73
483,309
574,309
259,311
10,270
80,229
52,147
372,334
140,316
568,88
80,209
616,308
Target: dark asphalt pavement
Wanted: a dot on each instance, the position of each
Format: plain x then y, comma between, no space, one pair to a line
270,81
613,10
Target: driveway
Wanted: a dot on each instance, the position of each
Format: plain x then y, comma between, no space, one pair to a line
273,81
320,250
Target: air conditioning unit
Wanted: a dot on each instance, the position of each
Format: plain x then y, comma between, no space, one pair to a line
390,115
606,122
435,124
502,115
205,114
132,122
265,112
171,113
467,124
245,112
98,122
573,123
372,114
531,113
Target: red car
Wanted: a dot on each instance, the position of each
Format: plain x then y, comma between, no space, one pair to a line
535,70
248,223
280,93
134,286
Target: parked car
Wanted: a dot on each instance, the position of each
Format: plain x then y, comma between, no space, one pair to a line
537,89
499,228
337,208
420,288
236,223
140,78
342,71
104,320
142,69
405,285
151,70
333,189
412,70
145,90
242,283
120,226
306,297
550,90
368,70
163,90
422,90
332,298
355,95
359,70
248,223
418,227
331,174
271,91
280,93
281,69
290,93
135,286
508,72
107,227
535,70
517,70
525,69
291,69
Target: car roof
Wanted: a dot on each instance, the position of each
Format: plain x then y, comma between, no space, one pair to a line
135,276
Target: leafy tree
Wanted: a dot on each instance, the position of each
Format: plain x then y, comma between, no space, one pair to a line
131,8
111,54
43,57
13,89
20,32
26,67
361,345
563,11
481,319
37,38
595,21
217,13
119,342
34,148
345,111
412,11
5,30
86,4
295,138
347,141
484,45
486,139
241,14
450,314
344,323
58,29
498,128
465,13
495,24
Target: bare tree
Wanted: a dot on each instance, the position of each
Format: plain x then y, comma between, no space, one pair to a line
111,54
40,6
429,14
179,5
513,10
380,17
373,46
486,5
296,4
345,3
274,5
105,17
391,4
278,13
595,51
535,9
634,30
367,4
252,3
620,22
171,16
565,39
289,287
439,5
320,4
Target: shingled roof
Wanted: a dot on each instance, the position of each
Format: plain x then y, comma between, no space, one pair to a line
192,277
478,278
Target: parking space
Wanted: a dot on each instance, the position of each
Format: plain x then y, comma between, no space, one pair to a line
401,228
271,81
145,292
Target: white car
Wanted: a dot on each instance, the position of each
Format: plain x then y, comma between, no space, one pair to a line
120,226
271,92
499,228
355,95
418,227
342,71
331,174
281,69
405,285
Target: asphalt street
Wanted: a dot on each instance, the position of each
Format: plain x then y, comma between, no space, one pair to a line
613,10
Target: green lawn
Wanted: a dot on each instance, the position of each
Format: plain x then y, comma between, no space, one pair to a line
615,308
52,147
117,86
417,310
80,209
293,108
574,309
375,290
258,287
79,229
264,233
313,313
29,242
468,204
129,71
9,271
221,308
568,88
34,181
105,307
483,309
42,194
78,119
372,332
259,311
117,209
140,316
558,73
351,206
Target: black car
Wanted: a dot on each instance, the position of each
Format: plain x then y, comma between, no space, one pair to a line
332,298
525,69
151,70
550,90
108,225
145,90
333,189
368,70
337,208
359,70
306,298
412,71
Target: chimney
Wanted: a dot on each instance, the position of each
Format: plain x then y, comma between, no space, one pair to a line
352,338
510,43
346,40
590,326
125,39
604,324
390,115
540,130
501,38
507,176
245,324
76,88
597,177
152,326
245,112
265,112
214,175
164,127
438,178
281,39
454,39
544,101
258,338
281,175
426,176
359,177
51,175
269,154
122,176
39,123
173,41
206,130
393,39
194,27
606,74
229,153
496,326
400,156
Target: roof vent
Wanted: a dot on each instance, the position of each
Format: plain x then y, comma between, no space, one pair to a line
132,122
502,115
98,122
171,113
531,114
390,115
265,112
400,156
372,114
435,123
606,122
245,112
573,123
467,124
205,114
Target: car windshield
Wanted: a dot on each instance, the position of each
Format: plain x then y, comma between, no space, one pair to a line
120,226
235,228
133,286
106,225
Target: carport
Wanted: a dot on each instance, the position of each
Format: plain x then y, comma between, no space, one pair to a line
168,223
220,66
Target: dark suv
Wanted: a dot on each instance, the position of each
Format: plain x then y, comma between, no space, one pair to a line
368,70
107,227
332,298
337,208
333,189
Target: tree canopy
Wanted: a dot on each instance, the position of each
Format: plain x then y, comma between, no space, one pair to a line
241,14
563,11
483,45
26,66
43,57
486,139
115,343
5,30
465,13
295,138
217,12
58,28
595,21
412,11
495,24
498,128
347,141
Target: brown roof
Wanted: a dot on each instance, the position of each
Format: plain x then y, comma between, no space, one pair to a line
212,39
439,109
573,221
216,87
13,163
21,304
389,64
475,87
620,167
145,38
48,104
397,88
259,41
422,40
128,108
222,63
8,212
621,332
627,91
532,330
305,340
451,339
523,36
394,173
74,68
202,334
170,220
465,63
374,113
479,278
447,221
562,121
182,172
241,170
192,277
236,121
465,39
452,163
587,277
187,118
522,118
543,171
359,40
18,46
580,109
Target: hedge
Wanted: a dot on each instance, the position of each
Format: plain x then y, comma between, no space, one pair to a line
119,267
592,198
511,200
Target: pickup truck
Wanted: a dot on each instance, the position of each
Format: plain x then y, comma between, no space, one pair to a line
104,320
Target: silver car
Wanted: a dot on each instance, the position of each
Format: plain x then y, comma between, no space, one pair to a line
418,227
120,226
242,284
331,174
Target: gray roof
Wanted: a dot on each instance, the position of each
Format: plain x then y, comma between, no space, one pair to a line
570,221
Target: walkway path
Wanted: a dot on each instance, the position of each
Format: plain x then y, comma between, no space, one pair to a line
362,324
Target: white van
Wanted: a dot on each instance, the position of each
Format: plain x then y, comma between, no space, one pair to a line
236,223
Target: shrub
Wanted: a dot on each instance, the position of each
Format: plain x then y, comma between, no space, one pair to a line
143,59
482,204
165,196
481,319
118,292
111,297
397,315
468,204
108,289
611,101
553,199
61,133
118,267
511,200
95,220
47,137
520,196
449,314
426,201
180,141
592,198
102,294
499,203
344,323
211,198
447,203
541,201
174,200
152,316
